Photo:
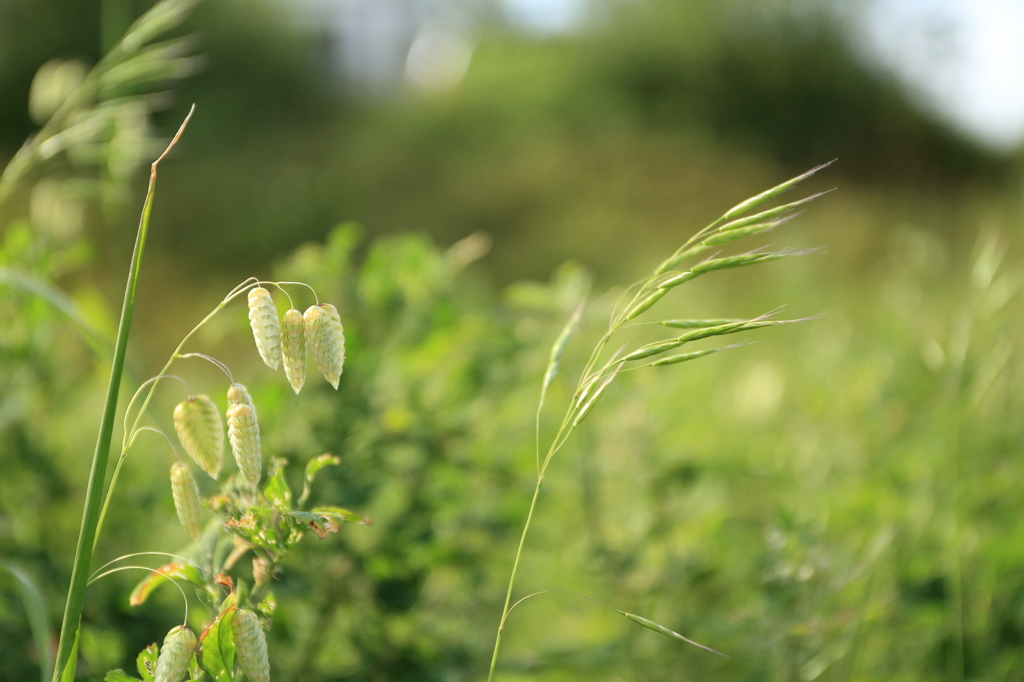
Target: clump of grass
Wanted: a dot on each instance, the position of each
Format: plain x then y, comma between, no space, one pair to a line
695,258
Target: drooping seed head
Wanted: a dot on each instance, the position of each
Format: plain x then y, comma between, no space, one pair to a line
201,432
237,393
326,340
175,654
293,348
251,646
244,434
265,327
185,492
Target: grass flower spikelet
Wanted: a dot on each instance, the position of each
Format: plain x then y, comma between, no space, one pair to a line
265,326
326,340
186,498
201,432
175,654
237,393
251,646
244,434
293,348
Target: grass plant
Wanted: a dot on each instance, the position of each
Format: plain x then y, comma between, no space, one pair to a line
601,369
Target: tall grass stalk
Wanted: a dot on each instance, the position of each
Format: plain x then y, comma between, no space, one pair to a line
65,662
599,373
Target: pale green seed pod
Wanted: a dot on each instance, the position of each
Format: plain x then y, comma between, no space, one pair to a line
326,340
201,432
175,654
185,492
265,327
293,348
237,393
244,434
251,646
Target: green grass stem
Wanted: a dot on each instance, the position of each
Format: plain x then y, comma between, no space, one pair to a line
66,664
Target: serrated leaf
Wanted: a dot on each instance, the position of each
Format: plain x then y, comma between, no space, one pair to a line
158,577
146,662
276,490
217,648
119,676
313,467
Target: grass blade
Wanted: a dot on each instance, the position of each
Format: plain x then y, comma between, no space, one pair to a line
66,664
38,622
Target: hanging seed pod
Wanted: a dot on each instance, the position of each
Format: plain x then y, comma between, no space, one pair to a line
175,654
265,327
237,393
326,340
251,646
244,434
293,348
186,498
201,432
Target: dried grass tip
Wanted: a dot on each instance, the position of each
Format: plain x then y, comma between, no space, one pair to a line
293,348
201,432
251,646
326,340
244,434
175,655
185,492
265,327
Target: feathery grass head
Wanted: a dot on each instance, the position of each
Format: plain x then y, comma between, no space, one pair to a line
175,654
201,432
186,498
326,340
293,348
266,328
251,645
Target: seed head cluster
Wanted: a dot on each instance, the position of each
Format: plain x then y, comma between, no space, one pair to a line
326,340
201,432
175,654
251,646
244,434
186,498
265,327
318,332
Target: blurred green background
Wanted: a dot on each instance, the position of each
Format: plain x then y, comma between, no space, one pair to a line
840,501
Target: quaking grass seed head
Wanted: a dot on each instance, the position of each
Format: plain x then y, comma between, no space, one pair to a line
237,393
251,646
185,492
293,348
244,434
326,340
175,654
201,432
265,327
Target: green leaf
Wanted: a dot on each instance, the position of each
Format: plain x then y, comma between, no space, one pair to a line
314,522
338,514
267,607
555,359
313,468
158,577
217,647
146,662
119,676
276,490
